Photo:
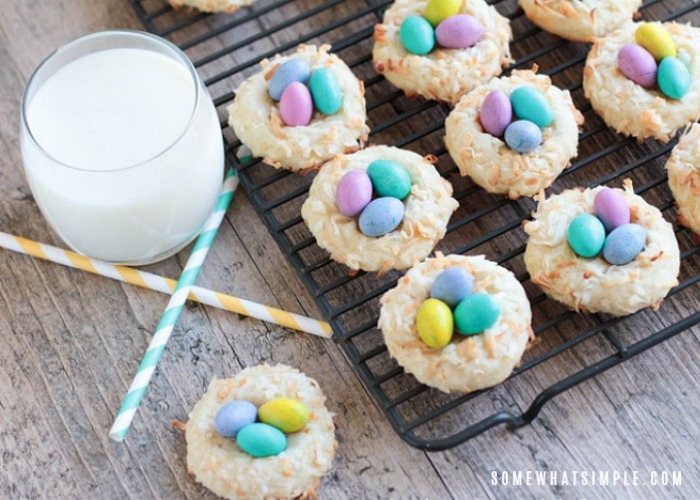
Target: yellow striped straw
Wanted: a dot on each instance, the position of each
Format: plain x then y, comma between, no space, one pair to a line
164,285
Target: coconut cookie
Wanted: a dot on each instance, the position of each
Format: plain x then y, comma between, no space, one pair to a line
684,178
441,49
379,209
580,20
457,323
282,455
514,135
300,110
602,250
228,6
644,79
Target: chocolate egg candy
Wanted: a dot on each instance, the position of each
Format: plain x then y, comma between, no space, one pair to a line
459,32
656,39
295,105
325,91
673,77
354,192
611,208
476,313
294,70
389,178
624,244
438,10
233,416
435,323
452,285
523,136
261,440
381,216
287,414
496,113
532,105
637,64
417,35
586,235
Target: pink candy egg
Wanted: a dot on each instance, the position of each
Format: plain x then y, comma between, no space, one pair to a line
459,32
611,208
296,106
496,113
354,192
637,64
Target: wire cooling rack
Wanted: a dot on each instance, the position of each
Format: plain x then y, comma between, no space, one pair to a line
569,348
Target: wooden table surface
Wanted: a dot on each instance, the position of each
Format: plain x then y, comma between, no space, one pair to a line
71,341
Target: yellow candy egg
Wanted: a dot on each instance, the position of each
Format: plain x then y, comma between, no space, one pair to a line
656,39
288,415
435,323
439,10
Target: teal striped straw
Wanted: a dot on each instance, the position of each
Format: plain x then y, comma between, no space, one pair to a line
172,311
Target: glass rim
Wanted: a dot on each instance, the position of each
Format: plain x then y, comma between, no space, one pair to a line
174,49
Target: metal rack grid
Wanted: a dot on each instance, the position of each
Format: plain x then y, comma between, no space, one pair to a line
226,49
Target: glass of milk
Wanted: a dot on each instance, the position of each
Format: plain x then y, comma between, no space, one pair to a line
122,146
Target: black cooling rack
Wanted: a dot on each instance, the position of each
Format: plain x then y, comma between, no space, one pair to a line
570,348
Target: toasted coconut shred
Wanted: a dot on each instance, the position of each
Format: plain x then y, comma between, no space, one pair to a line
593,285
684,177
228,6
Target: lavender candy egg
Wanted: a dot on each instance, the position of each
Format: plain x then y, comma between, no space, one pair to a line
294,70
381,216
496,113
624,244
611,208
637,64
354,192
296,106
459,32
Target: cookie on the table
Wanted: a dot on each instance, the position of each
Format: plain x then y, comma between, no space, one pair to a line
684,177
257,120
228,6
489,161
580,20
219,463
463,363
389,232
627,106
443,74
593,284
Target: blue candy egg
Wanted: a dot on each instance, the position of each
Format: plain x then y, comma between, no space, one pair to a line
673,77
586,235
532,105
381,216
523,136
476,313
452,286
624,244
417,35
294,70
233,416
261,440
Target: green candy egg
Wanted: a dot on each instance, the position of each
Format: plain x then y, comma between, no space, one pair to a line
417,35
673,77
476,313
287,414
261,440
435,323
586,235
389,178
325,91
438,10
532,105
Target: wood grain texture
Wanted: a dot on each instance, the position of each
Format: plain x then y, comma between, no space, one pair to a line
71,341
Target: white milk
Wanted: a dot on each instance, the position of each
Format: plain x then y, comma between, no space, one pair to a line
141,179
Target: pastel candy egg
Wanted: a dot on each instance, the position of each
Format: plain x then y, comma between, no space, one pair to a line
496,113
586,235
624,244
325,90
523,136
261,440
233,416
476,313
381,216
531,104
295,105
637,64
673,77
435,323
389,178
287,414
459,32
655,38
417,35
611,208
438,10
294,70
452,285
354,192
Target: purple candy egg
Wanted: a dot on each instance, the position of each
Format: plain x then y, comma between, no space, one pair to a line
611,208
496,113
459,32
637,64
354,192
296,106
